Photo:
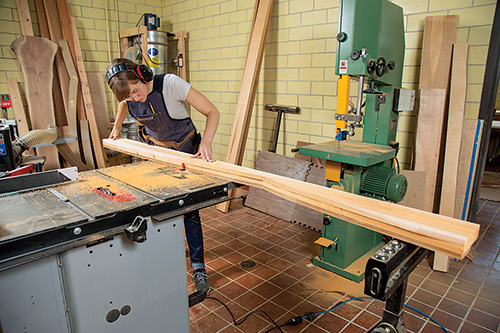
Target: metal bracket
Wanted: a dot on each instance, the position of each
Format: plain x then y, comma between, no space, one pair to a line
136,232
348,117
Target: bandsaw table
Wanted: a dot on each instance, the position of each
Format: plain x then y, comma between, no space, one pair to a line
105,253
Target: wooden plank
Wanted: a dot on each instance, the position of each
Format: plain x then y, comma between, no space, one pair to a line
248,89
435,232
439,36
71,99
23,11
98,93
43,25
428,143
415,195
36,56
17,104
466,146
61,79
458,95
100,156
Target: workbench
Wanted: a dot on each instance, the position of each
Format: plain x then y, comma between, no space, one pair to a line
104,253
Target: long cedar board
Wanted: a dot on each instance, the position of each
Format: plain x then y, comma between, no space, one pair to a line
251,72
36,56
456,114
439,36
435,232
428,143
277,206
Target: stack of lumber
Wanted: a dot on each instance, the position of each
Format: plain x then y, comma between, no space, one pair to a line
445,140
63,97
432,231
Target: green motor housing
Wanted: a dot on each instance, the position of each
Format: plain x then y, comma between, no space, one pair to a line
384,182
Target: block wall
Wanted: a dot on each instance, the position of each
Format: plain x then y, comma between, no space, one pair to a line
298,67
97,26
299,64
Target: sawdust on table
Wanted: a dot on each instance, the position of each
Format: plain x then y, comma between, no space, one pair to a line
151,176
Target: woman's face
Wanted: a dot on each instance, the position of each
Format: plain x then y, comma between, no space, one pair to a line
137,92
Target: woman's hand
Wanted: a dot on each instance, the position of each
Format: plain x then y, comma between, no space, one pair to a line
115,133
205,151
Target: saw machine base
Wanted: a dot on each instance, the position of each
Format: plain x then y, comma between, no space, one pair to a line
105,253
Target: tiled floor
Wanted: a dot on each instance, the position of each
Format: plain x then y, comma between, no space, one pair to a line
285,284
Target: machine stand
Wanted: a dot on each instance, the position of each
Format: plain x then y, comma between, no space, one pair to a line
392,317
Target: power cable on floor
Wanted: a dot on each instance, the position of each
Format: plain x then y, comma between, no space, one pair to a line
248,315
310,315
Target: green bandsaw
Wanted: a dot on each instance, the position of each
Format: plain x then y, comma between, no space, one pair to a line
370,49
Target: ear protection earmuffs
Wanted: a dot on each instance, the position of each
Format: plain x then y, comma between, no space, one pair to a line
143,72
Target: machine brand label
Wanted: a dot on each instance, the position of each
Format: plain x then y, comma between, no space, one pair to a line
343,67
153,51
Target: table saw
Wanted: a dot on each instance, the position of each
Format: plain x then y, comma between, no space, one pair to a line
104,253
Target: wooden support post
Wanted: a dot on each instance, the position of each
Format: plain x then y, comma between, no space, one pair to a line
181,48
249,82
139,31
431,231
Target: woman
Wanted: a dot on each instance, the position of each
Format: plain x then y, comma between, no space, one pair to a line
160,103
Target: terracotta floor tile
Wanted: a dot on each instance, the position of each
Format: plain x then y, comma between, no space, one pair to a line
211,323
367,320
265,272
286,300
249,281
469,327
250,300
483,319
331,322
232,290
487,306
430,327
452,307
450,322
285,284
460,296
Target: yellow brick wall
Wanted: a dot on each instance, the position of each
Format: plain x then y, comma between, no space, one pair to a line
97,31
298,66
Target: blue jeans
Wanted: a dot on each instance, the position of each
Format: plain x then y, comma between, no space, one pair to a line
194,237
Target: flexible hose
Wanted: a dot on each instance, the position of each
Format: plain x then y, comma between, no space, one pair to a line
33,138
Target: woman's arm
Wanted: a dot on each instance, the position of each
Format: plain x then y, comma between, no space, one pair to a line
204,106
120,118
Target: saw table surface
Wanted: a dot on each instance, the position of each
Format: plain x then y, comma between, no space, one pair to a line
351,152
100,200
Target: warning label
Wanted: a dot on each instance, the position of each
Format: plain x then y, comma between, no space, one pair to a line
343,67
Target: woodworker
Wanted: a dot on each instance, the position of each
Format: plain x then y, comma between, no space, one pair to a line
160,103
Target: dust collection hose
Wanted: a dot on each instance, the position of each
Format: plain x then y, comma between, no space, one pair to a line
33,138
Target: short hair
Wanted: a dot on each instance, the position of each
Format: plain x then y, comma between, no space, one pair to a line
119,83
